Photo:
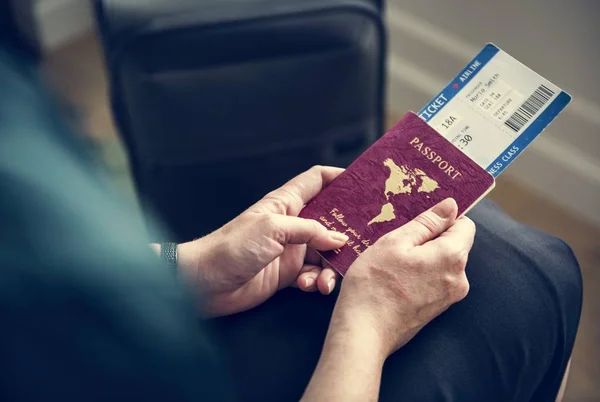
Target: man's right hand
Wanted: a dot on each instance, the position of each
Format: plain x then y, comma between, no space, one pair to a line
408,277
405,280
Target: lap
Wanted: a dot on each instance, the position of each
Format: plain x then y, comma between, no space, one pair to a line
510,339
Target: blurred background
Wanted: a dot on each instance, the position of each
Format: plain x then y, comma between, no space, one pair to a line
554,186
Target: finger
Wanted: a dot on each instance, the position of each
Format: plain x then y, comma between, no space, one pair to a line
464,228
307,279
327,280
291,262
457,240
427,226
312,257
293,230
290,198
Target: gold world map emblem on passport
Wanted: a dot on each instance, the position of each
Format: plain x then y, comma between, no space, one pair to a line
402,180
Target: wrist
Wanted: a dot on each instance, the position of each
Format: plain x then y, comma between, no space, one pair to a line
187,259
355,330
351,362
199,262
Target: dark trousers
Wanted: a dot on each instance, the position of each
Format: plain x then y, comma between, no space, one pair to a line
509,340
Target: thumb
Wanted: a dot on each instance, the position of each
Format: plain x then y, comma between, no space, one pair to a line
429,225
294,230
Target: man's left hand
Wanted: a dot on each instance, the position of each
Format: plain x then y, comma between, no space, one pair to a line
265,249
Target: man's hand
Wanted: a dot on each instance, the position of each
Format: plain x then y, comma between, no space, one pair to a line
265,249
397,286
409,276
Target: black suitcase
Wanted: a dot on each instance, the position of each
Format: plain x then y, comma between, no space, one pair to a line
221,101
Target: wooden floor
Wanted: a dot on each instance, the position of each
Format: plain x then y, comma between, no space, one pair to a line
77,70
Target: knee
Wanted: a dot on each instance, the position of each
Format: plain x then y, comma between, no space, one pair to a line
560,268
563,267
542,260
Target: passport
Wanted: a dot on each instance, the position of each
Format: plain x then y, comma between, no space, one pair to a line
407,171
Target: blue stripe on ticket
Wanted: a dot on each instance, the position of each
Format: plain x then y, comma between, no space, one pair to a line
462,79
530,134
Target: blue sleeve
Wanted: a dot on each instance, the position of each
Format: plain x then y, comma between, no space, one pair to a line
88,312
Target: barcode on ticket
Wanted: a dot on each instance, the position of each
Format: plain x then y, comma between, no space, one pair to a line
529,108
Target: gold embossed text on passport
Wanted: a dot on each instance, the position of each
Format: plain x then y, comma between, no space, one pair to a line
335,221
435,158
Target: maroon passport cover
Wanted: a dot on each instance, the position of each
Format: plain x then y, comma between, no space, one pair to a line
407,171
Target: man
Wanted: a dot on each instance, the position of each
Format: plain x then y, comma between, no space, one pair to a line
90,313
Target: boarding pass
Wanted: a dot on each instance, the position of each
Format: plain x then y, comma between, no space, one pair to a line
494,108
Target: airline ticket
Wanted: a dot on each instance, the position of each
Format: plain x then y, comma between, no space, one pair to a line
494,108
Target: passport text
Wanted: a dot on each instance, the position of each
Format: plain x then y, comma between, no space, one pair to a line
435,158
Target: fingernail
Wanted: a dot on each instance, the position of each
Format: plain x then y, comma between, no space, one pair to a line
308,282
337,236
445,209
331,285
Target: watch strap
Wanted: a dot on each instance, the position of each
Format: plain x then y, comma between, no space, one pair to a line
168,253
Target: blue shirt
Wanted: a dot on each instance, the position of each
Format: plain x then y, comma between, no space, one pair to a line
88,312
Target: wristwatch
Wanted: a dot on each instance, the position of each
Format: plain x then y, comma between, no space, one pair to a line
168,253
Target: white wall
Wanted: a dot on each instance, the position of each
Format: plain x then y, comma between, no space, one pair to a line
431,40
